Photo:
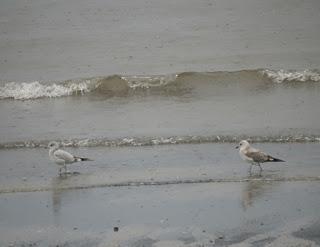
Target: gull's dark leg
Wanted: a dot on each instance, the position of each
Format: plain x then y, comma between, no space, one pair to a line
260,169
250,169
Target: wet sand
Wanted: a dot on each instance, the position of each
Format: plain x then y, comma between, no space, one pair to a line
224,214
171,195
31,169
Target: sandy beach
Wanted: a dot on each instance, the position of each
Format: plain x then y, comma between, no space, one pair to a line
158,94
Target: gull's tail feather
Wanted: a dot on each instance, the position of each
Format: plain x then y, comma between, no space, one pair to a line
272,159
82,159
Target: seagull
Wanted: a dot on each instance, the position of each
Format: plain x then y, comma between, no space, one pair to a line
254,156
61,157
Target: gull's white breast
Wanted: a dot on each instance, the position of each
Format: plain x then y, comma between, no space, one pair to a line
244,157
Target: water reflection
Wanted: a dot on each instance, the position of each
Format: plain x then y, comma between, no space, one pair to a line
56,193
257,187
59,186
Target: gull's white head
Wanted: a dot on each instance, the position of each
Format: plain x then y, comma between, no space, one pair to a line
53,145
243,144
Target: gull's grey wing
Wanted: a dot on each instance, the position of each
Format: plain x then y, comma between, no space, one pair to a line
258,156
63,155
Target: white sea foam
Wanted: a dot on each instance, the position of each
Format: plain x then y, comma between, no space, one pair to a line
280,76
148,81
33,90
154,141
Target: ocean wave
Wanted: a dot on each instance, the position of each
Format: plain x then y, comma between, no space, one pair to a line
109,85
154,141
123,85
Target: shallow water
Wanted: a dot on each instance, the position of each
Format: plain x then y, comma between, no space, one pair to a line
84,72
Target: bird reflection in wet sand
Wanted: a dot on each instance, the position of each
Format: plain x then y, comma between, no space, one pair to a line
255,189
57,193
60,192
